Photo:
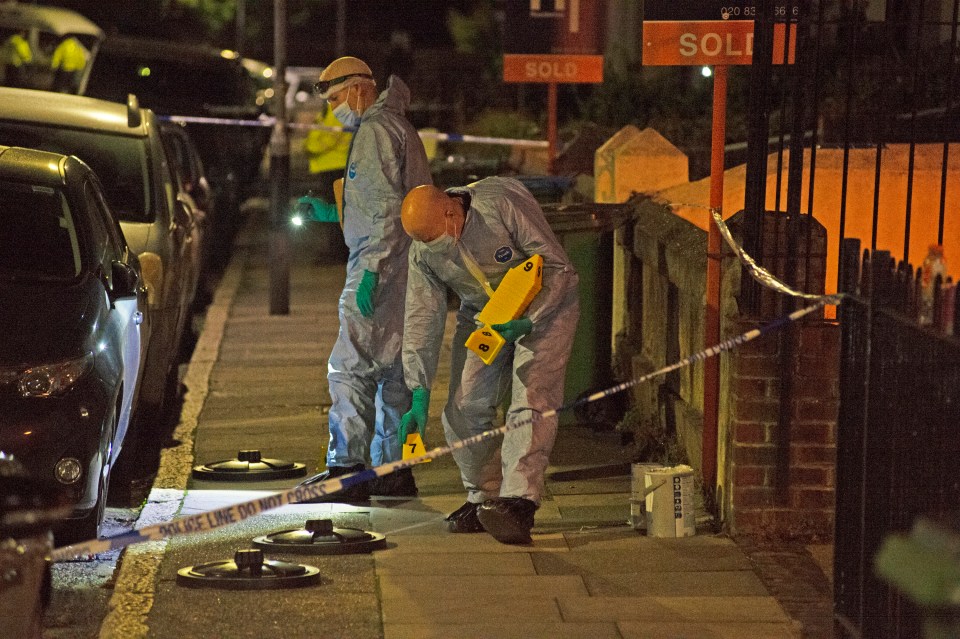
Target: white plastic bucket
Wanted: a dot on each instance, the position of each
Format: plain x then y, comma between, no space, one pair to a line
669,502
638,493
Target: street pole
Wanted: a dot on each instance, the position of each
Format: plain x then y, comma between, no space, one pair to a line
711,336
341,37
551,126
279,170
241,24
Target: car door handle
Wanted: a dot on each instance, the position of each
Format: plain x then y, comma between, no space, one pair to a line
138,318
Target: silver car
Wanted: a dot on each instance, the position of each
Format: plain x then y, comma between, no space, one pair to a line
122,144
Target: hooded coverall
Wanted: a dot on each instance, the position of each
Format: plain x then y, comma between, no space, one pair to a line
503,227
365,371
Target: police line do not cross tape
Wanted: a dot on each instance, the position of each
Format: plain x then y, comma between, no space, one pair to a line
268,121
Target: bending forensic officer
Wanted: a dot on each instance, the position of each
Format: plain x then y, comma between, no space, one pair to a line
365,372
466,239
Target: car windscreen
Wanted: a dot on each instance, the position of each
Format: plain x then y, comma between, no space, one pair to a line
172,86
119,161
38,237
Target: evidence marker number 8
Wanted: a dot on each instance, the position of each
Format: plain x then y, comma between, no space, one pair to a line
517,289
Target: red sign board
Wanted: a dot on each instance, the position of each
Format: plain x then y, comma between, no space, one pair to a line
709,42
552,68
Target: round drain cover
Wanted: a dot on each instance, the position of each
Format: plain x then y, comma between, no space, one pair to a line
319,537
249,466
248,571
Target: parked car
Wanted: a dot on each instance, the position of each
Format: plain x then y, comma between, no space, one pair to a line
300,94
195,190
122,144
43,29
178,79
75,336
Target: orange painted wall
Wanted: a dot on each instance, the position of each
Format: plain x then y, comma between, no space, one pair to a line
691,200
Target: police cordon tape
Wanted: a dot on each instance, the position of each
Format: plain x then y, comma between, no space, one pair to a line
270,121
214,519
756,271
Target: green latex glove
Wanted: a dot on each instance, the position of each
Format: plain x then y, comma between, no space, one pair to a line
415,419
514,329
365,292
317,210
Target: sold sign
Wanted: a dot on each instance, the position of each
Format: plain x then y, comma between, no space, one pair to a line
552,68
709,42
713,32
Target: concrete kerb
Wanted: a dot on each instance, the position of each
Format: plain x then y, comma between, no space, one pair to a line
133,593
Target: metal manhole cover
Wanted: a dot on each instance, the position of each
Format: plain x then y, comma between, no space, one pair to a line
319,537
248,570
249,465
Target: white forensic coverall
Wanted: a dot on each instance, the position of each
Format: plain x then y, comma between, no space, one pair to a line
365,372
503,227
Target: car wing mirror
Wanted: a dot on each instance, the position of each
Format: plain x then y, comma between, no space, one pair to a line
124,280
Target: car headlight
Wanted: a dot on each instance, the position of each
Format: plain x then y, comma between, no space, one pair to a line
50,379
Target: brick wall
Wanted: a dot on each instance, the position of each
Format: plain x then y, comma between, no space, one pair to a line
782,480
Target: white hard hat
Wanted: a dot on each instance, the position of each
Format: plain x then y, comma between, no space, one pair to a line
342,73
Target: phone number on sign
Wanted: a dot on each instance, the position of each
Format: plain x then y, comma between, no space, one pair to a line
687,10
780,12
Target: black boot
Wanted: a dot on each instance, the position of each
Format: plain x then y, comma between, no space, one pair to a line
399,483
508,519
464,519
356,493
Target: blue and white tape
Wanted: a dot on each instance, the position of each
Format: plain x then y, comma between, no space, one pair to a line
268,121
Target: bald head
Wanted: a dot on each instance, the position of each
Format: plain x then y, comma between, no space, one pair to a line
424,211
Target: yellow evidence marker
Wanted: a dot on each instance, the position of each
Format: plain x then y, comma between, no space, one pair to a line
517,289
414,447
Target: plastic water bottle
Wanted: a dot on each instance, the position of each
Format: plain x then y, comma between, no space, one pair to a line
948,302
933,266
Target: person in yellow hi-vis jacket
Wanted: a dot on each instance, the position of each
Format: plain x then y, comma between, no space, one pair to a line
467,239
327,152
68,62
16,55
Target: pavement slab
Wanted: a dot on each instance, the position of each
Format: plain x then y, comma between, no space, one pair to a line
502,630
443,542
701,583
644,556
679,630
696,609
505,609
454,564
479,588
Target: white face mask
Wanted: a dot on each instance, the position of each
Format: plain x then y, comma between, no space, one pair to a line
442,243
346,115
